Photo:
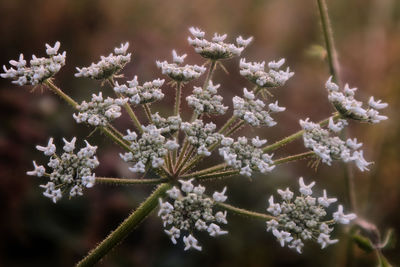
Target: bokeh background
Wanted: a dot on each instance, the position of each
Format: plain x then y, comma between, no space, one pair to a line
35,232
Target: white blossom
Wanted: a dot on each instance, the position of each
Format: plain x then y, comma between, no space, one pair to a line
349,107
108,66
252,110
39,69
300,218
216,49
255,72
71,172
246,156
180,73
207,100
99,111
340,217
137,94
190,209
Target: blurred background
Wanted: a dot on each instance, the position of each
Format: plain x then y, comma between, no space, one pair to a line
35,232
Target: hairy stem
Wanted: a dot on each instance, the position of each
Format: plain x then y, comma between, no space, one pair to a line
227,124
60,93
113,137
147,110
300,156
127,181
178,97
122,231
244,212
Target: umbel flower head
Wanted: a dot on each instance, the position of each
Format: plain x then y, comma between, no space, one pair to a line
303,218
274,77
329,148
99,111
108,66
216,49
190,210
149,92
206,100
349,107
39,70
180,73
71,172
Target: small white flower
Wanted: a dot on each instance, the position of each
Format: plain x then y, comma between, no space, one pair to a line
376,104
325,240
282,236
51,51
271,225
325,201
273,107
220,217
220,196
340,217
69,146
173,193
187,186
274,208
286,195
191,242
276,64
331,86
48,150
215,230
38,170
305,189
297,245
88,180
173,233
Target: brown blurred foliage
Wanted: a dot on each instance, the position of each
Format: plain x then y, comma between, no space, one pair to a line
34,232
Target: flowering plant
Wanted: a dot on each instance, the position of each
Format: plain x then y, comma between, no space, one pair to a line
172,148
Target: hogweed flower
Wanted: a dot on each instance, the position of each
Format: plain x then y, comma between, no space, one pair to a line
349,107
329,148
245,155
108,66
251,110
255,73
216,49
180,73
189,210
303,218
137,94
148,150
39,70
71,172
99,111
206,100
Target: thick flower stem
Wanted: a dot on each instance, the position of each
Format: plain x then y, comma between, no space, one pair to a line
147,110
122,231
227,124
60,93
244,212
117,140
295,136
127,181
178,97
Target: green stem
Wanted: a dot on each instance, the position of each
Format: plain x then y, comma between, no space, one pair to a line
126,181
244,212
328,37
117,140
148,112
178,99
224,174
227,124
235,128
122,231
210,73
294,157
59,92
207,171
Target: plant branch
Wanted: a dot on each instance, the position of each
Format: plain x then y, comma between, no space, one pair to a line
126,227
244,212
126,181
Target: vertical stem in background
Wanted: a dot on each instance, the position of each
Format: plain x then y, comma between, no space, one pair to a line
334,70
121,232
328,37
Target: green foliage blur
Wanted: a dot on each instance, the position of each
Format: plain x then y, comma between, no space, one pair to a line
35,232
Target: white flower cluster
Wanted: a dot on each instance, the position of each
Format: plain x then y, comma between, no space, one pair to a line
201,135
246,156
190,209
216,49
141,94
252,110
99,111
180,73
107,66
332,148
302,219
150,148
167,125
207,101
70,172
255,73
349,107
39,69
